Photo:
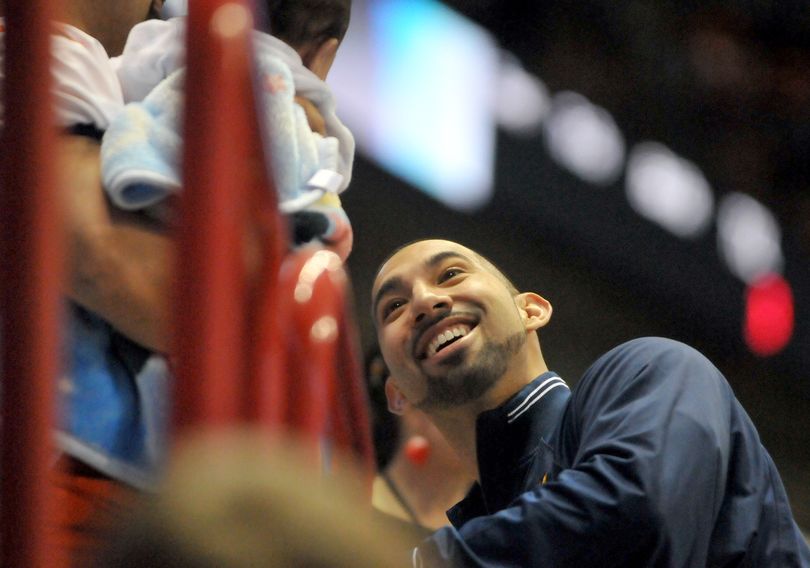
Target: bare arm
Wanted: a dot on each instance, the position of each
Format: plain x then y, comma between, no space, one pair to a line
119,264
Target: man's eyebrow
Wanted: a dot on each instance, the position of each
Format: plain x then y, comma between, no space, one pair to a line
388,286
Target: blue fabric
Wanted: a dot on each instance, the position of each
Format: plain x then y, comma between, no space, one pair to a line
653,463
142,148
113,401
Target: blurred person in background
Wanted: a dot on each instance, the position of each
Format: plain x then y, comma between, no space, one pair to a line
238,500
419,475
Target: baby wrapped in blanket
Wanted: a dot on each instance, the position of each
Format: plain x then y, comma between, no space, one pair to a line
141,149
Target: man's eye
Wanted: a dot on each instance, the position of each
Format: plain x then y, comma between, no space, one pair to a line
390,307
449,273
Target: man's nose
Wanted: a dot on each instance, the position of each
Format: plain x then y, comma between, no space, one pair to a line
428,300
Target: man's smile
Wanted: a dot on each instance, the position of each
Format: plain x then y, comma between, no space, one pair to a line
447,330
442,340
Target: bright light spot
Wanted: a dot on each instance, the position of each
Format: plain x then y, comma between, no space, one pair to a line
522,101
768,315
669,190
415,83
748,237
325,329
231,19
303,292
65,385
584,138
319,262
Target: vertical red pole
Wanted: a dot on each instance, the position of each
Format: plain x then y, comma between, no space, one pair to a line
30,234
210,298
350,407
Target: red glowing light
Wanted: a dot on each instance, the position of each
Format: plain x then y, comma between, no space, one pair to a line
768,323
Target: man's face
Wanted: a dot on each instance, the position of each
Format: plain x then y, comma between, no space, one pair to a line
447,324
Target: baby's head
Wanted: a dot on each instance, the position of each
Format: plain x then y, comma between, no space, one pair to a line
314,28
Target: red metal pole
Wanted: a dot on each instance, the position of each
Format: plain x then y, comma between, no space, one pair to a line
351,421
31,235
267,352
210,298
318,390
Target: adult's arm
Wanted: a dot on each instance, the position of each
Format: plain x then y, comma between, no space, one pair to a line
648,443
119,264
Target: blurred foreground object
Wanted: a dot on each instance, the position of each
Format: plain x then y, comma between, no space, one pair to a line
236,499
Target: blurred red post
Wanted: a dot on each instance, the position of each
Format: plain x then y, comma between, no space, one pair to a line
309,376
251,349
351,422
210,295
31,235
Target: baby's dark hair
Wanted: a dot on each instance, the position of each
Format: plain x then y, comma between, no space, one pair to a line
303,22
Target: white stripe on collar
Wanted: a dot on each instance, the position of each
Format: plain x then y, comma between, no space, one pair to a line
534,396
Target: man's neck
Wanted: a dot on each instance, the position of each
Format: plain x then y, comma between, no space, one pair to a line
458,425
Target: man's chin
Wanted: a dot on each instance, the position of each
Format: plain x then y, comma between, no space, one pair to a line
461,379
446,365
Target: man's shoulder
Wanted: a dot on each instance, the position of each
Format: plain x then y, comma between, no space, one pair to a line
647,360
646,351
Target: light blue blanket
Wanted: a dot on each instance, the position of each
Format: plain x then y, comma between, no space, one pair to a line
141,150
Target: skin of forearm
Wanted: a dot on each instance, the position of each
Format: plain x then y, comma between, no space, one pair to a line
119,264
121,273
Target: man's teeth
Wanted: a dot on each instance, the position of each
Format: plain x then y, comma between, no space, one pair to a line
446,336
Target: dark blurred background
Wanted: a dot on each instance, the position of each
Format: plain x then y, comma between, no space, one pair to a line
725,85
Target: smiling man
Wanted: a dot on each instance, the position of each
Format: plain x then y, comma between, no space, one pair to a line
651,461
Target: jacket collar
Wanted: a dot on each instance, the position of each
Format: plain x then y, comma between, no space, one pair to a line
513,446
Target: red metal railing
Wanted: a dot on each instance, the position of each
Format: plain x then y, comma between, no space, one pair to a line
30,253
266,352
307,374
256,348
219,141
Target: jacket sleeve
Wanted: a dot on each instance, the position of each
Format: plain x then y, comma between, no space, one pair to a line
644,447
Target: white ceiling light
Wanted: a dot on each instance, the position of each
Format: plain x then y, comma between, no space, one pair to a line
748,237
522,100
415,82
669,190
584,138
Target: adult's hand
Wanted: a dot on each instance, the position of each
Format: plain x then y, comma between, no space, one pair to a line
314,116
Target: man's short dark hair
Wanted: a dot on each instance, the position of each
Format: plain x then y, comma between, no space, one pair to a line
302,22
496,270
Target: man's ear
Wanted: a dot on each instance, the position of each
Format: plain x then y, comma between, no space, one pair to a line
320,57
397,403
534,310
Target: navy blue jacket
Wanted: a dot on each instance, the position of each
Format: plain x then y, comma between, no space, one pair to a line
650,461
